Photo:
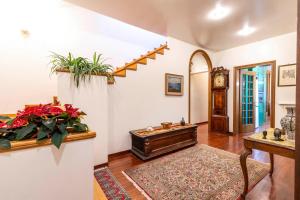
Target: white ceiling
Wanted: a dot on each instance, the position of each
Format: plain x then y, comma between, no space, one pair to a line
187,19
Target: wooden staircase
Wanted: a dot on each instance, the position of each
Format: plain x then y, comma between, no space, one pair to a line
121,71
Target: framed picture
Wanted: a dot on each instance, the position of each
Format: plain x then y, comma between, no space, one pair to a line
287,75
173,84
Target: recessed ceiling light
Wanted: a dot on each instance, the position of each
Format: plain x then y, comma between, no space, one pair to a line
219,12
246,30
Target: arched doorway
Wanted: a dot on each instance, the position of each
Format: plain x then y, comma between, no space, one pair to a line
199,106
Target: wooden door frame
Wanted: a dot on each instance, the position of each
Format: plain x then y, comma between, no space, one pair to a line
236,93
268,99
209,66
297,138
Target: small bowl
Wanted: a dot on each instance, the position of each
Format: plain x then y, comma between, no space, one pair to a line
166,125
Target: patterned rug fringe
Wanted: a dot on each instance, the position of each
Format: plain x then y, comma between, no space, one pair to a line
136,186
110,185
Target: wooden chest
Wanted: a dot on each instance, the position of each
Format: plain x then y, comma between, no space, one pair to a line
149,144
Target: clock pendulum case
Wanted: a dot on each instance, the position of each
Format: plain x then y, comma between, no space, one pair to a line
219,89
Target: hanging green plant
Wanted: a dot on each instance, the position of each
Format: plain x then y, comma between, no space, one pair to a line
81,68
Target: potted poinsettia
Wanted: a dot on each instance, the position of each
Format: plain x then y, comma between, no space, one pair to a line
41,122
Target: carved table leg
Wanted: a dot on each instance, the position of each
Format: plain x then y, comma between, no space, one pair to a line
272,164
243,159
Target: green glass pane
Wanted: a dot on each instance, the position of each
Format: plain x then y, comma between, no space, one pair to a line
250,114
250,121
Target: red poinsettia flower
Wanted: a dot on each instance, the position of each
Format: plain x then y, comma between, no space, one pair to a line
18,122
73,112
3,125
55,110
40,110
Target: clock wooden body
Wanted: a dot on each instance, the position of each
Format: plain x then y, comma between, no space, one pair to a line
219,89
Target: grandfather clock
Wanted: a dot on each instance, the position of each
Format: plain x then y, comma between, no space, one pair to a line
219,88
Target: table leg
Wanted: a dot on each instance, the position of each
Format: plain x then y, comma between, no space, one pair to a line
243,159
272,164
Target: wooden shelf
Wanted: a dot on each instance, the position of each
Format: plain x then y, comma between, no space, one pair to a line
33,143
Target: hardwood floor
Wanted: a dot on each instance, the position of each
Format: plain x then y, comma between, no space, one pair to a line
98,192
279,187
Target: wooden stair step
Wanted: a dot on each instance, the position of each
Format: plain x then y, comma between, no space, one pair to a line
142,61
131,66
160,51
151,55
121,72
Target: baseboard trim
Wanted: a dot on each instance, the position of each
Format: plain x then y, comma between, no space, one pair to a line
100,165
230,133
110,156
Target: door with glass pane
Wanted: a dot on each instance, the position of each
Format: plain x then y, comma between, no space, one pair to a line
247,101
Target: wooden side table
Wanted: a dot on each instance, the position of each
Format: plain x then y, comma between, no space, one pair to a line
255,141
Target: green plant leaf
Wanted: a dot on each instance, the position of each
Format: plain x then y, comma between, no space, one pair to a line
5,144
81,68
49,123
56,139
80,127
63,129
9,122
43,133
10,136
23,132
64,115
70,122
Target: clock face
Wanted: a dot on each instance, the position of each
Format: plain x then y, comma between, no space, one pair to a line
219,80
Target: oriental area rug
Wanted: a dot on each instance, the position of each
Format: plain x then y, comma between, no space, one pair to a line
110,186
200,172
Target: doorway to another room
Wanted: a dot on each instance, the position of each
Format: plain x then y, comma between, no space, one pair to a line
199,88
254,97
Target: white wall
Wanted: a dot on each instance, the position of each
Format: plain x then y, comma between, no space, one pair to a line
48,173
139,100
199,97
199,63
199,89
133,102
281,48
92,98
60,27
57,26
